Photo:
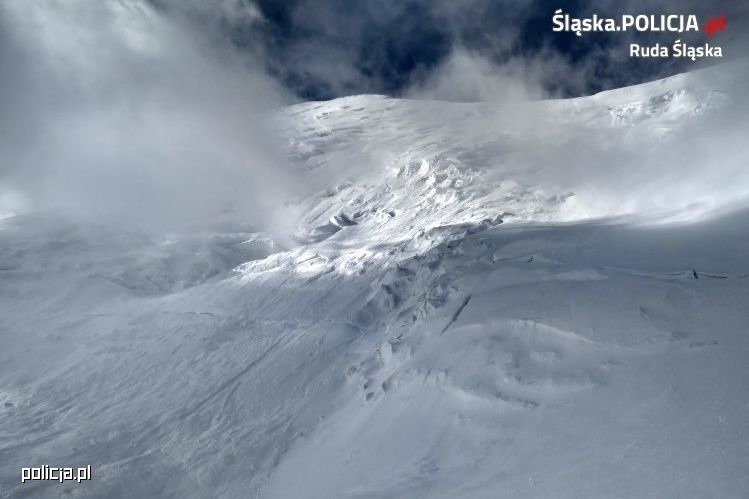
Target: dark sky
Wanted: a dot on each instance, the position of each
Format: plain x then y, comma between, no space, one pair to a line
321,49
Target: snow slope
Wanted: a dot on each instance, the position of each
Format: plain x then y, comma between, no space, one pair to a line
546,299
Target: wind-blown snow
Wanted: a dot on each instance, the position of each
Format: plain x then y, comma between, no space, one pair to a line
540,300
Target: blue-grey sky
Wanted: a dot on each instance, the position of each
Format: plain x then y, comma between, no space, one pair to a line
321,49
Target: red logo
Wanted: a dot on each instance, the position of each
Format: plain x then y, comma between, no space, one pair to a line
714,24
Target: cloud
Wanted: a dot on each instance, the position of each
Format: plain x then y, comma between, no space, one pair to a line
319,49
155,113
116,112
468,77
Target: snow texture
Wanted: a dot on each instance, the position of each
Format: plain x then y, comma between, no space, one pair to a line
538,300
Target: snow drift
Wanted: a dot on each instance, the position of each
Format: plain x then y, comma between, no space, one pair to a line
537,300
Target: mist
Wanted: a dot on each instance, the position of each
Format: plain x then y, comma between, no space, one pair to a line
126,113
114,113
664,153
319,50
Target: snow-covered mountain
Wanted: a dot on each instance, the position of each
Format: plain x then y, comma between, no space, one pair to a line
545,299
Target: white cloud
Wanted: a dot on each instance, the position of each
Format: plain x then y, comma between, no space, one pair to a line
118,114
